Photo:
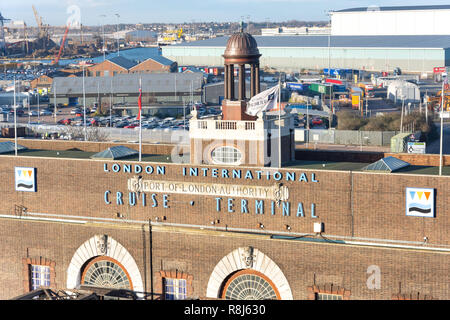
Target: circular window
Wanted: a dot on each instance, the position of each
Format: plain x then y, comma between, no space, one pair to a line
226,155
250,285
106,273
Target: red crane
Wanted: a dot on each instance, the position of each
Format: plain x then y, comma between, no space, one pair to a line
61,46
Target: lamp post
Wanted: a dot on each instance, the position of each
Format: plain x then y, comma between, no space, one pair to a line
118,46
103,31
444,81
84,108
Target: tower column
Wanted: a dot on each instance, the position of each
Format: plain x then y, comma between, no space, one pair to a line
225,83
252,80
242,82
258,89
231,82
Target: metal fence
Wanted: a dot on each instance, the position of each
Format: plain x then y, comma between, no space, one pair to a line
110,134
324,136
345,137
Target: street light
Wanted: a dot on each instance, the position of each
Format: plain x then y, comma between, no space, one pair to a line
84,108
103,31
118,49
444,81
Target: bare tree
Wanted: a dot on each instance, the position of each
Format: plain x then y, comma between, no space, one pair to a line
92,133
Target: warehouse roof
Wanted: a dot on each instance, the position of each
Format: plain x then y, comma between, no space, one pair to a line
129,83
161,60
321,41
395,8
123,62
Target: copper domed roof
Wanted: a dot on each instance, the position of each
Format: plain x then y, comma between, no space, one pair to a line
241,44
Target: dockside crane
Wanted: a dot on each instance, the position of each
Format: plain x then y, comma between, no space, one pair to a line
61,47
2,35
43,29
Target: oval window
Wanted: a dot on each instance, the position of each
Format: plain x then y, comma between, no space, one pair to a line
226,155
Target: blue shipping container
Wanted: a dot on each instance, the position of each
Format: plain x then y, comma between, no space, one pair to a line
295,86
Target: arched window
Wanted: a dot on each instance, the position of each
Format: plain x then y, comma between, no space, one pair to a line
249,285
226,155
105,272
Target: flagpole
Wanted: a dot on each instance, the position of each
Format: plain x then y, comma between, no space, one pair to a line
140,121
279,122
15,119
442,128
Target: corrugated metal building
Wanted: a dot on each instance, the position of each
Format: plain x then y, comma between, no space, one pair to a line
395,20
417,54
158,89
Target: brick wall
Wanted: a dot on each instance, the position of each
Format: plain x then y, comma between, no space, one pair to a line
352,206
324,266
105,66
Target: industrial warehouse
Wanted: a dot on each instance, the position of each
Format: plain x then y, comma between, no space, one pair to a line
412,38
236,215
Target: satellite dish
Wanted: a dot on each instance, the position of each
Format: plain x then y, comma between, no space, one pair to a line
373,8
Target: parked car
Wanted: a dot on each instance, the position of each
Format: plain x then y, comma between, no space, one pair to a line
65,121
46,112
33,113
316,121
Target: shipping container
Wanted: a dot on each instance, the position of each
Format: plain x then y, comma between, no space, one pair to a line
296,86
320,88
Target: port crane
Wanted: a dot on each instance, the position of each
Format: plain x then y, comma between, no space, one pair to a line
2,35
43,29
61,47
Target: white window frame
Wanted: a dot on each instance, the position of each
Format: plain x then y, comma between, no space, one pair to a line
226,155
40,276
172,289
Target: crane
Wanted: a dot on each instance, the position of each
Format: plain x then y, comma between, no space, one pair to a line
2,35
61,47
43,29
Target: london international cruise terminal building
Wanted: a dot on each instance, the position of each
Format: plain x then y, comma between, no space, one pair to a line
222,216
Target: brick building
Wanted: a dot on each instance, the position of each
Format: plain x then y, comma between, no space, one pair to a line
111,67
120,65
206,228
223,228
155,64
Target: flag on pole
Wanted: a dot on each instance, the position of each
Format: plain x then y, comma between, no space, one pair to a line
264,101
139,102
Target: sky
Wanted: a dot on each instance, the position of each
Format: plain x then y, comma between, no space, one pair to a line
98,12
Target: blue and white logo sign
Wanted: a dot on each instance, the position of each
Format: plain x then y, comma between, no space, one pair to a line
420,202
25,179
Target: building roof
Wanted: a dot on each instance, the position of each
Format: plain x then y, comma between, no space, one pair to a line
116,152
395,8
123,62
160,59
129,83
321,41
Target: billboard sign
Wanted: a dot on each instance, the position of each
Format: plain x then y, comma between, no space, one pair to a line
416,147
439,69
25,179
420,202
